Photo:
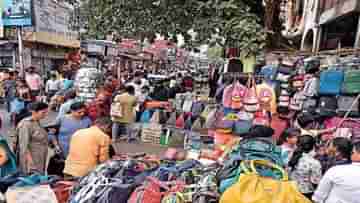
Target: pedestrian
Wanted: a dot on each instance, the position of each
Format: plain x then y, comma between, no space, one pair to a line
69,124
288,140
70,98
34,82
52,86
32,140
100,107
68,82
88,148
10,89
128,103
338,153
7,159
305,170
341,183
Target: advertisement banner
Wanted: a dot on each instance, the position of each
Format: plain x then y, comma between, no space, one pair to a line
17,13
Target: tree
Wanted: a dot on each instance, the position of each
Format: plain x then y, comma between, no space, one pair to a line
229,23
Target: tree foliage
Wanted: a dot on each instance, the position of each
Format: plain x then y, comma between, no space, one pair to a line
229,23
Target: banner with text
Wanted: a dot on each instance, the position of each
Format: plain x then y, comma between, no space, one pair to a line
17,13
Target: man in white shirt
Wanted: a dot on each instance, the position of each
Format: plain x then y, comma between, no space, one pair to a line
341,184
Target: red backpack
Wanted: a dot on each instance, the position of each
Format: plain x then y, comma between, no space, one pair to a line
153,190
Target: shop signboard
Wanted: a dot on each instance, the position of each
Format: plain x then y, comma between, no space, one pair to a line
53,17
16,13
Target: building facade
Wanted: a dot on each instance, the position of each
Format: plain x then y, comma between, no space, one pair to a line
323,24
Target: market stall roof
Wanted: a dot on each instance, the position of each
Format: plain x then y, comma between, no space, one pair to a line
133,57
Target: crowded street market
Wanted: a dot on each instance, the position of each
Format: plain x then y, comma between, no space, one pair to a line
120,120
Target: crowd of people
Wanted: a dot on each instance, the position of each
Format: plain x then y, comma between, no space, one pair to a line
83,131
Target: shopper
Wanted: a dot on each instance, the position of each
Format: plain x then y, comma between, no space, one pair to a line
338,153
100,107
32,140
305,170
69,124
88,148
70,98
288,141
34,81
128,103
52,86
341,183
10,88
7,159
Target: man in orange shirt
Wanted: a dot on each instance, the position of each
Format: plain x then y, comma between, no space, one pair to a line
88,148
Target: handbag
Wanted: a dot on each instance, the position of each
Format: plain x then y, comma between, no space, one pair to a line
253,188
237,95
116,110
261,118
242,127
251,101
62,190
153,191
207,110
180,122
172,120
298,81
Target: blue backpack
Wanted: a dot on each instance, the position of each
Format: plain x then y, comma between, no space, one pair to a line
331,82
269,72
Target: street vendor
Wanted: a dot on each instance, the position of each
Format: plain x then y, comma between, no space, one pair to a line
7,159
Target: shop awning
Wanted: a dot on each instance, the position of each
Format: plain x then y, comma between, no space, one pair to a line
51,39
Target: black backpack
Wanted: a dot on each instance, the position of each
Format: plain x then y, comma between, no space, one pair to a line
328,106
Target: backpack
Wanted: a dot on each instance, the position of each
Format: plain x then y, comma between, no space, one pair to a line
258,149
153,191
248,149
269,72
197,108
344,105
328,106
331,82
351,83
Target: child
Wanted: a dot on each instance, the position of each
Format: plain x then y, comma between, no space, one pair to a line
288,141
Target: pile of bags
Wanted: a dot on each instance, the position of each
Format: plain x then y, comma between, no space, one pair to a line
37,188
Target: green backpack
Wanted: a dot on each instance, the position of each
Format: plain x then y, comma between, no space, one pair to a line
351,82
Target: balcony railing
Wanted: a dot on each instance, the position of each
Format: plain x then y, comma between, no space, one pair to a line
328,4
